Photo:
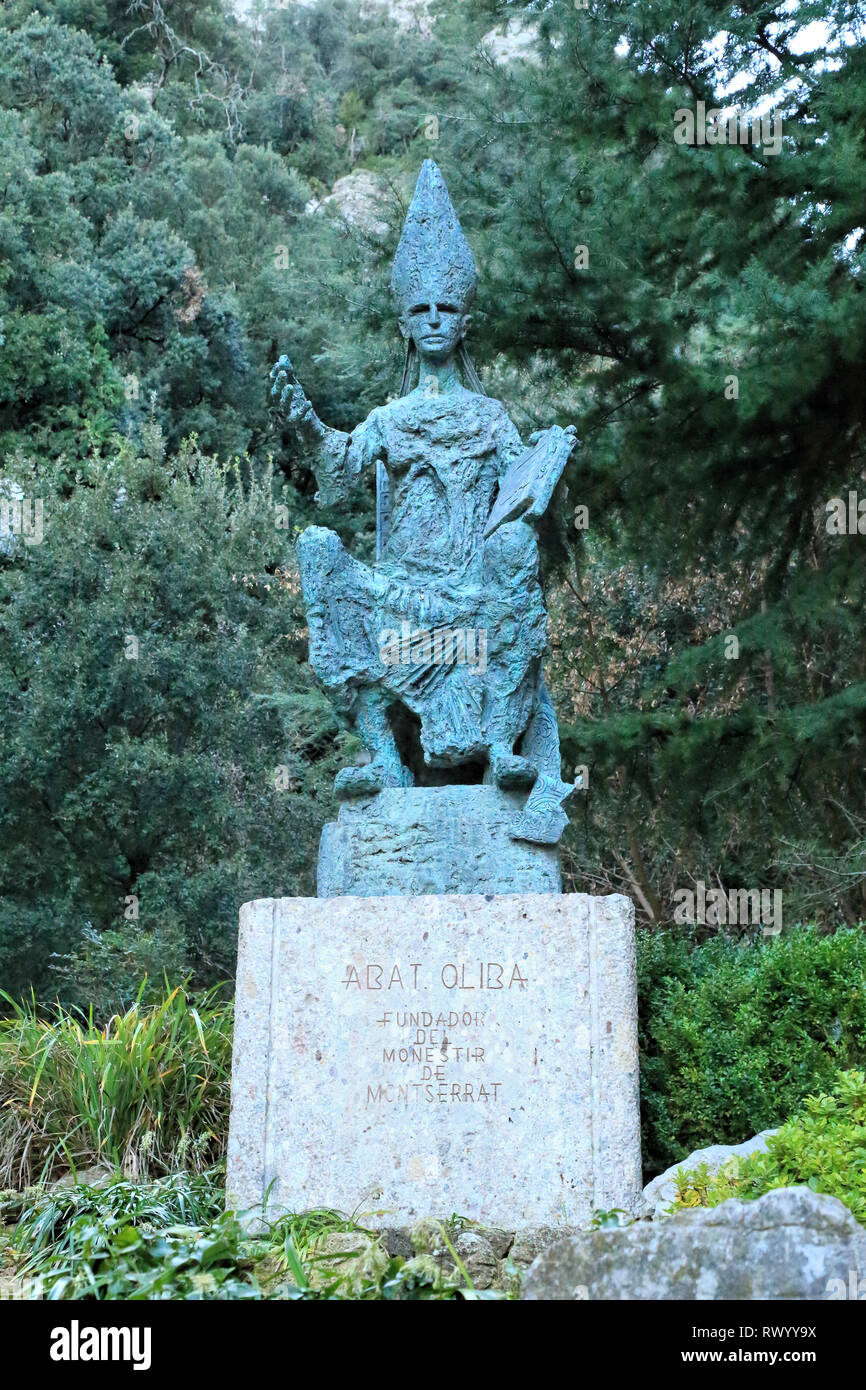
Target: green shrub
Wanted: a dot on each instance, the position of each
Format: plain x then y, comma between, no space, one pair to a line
140,802
822,1147
734,1035
172,1239
148,1093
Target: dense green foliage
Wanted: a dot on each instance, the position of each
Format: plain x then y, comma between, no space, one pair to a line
706,508
733,1036
158,248
153,689
153,232
165,753
822,1147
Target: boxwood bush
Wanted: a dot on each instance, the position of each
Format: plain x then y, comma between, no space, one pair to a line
735,1034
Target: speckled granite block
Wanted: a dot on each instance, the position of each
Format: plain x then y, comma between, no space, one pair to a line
412,840
421,1056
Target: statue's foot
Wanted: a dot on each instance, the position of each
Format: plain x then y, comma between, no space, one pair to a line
369,780
511,772
543,819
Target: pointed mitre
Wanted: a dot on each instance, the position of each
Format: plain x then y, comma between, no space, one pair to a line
433,259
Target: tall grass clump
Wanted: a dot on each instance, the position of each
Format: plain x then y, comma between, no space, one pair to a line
147,1094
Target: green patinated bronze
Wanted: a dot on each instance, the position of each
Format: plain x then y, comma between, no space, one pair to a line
434,653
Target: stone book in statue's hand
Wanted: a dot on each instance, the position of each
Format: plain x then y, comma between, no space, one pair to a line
528,485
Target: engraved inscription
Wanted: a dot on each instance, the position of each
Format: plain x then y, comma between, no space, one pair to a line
427,1057
475,975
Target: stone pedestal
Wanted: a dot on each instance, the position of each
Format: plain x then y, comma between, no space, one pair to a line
433,840
414,1057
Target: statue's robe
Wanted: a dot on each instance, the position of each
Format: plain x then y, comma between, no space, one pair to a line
444,456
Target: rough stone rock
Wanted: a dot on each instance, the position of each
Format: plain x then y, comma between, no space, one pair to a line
483,1251
423,840
404,14
500,1241
791,1243
398,1242
532,1240
343,1254
512,41
661,1192
99,1175
359,199
478,1259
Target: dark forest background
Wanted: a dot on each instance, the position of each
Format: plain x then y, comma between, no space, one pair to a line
165,753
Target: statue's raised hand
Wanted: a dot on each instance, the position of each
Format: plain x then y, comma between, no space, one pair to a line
570,432
292,403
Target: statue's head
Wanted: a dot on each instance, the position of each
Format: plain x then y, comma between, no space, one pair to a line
437,330
434,275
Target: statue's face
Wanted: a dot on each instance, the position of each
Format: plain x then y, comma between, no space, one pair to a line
435,329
